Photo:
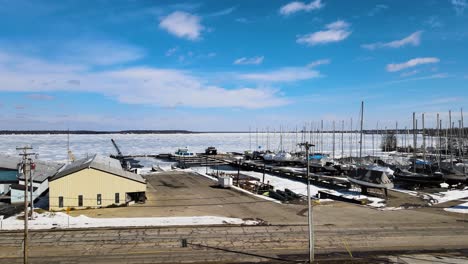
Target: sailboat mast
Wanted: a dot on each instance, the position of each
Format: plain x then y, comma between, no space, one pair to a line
342,139
68,146
250,139
396,135
424,138
414,141
351,139
362,124
450,138
438,136
333,141
321,136
462,134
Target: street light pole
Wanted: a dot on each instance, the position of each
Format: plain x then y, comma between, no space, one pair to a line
309,206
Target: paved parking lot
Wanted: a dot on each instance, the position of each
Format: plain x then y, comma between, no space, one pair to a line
187,194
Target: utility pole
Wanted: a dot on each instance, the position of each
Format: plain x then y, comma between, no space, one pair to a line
26,166
309,206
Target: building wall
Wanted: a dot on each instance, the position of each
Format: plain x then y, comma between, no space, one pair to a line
90,182
18,195
4,188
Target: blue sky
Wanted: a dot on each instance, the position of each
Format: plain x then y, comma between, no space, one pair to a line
229,65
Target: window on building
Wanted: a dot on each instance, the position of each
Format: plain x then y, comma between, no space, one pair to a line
117,198
60,201
99,200
80,200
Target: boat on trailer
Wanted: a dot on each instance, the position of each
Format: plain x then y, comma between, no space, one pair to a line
406,176
370,178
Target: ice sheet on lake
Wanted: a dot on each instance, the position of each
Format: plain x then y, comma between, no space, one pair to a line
54,147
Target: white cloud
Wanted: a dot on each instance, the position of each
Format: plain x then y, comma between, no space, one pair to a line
414,40
133,85
245,61
336,32
394,67
434,22
242,20
318,63
289,74
171,51
295,6
429,77
223,12
377,9
100,53
87,52
182,25
459,6
409,73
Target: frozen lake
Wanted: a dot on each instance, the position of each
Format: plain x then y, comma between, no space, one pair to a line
54,147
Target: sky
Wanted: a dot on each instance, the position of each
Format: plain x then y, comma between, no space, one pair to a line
230,65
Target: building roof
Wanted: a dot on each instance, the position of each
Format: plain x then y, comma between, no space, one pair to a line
9,162
101,163
44,170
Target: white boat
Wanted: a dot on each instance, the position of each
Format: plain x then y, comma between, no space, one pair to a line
184,152
381,168
370,178
282,156
269,156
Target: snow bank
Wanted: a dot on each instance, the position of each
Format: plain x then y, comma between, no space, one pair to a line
61,220
461,208
440,197
450,195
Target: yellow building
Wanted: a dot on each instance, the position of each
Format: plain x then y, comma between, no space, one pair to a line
94,182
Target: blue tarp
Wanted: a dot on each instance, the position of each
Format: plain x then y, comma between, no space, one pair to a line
422,162
316,157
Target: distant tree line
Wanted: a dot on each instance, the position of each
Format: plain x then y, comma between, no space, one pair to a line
85,132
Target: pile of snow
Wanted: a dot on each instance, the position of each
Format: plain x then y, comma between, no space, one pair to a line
448,196
461,208
50,220
355,195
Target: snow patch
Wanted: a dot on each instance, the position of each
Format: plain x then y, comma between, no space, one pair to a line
51,220
461,208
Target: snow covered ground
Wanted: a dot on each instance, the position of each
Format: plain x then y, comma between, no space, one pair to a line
461,208
449,195
440,197
50,220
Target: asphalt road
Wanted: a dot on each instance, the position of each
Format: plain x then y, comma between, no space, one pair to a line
221,243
